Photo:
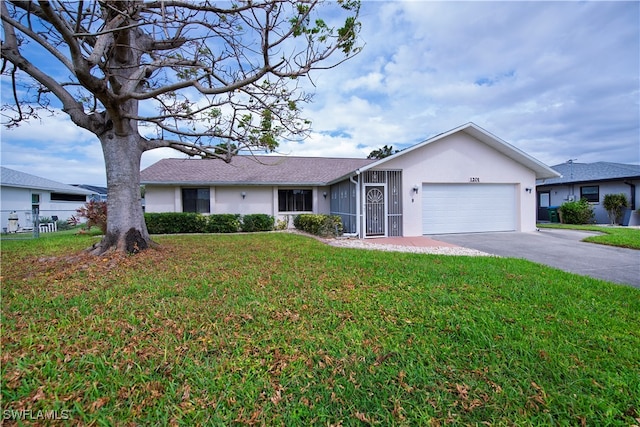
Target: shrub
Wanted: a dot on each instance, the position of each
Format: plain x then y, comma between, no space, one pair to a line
61,225
96,214
190,222
614,204
223,223
578,212
175,222
73,221
320,225
257,222
282,224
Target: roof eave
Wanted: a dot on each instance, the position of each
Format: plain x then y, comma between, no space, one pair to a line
53,190
591,181
235,184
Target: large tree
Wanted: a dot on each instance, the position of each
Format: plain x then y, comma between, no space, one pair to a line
207,79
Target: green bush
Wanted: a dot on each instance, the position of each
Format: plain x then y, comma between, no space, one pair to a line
282,224
175,222
190,222
320,225
615,204
223,223
257,222
578,212
62,225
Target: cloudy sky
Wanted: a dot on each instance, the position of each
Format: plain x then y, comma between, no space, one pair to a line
559,80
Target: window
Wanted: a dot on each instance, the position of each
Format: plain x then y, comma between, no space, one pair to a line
98,197
195,200
544,200
591,193
63,197
295,200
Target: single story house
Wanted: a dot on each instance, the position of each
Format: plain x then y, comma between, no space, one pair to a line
463,180
98,194
591,181
21,193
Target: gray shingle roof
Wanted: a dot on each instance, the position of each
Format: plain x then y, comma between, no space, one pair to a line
599,171
253,170
14,178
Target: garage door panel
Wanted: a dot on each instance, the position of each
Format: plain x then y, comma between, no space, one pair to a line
467,208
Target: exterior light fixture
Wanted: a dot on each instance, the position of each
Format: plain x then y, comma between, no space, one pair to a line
243,194
324,194
528,190
414,191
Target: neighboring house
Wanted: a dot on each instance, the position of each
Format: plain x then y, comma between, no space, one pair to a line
591,181
22,193
464,180
98,194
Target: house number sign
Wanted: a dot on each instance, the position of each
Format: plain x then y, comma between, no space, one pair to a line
474,179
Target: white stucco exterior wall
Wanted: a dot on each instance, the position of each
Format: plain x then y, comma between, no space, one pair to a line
257,199
20,200
159,198
456,159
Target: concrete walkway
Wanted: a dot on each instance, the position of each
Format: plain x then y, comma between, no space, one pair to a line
418,242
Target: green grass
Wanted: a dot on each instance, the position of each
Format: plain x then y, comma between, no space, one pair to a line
623,237
279,329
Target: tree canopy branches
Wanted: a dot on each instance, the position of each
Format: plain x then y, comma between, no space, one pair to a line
197,66
202,79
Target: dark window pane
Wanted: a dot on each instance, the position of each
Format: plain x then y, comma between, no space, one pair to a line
195,200
295,200
591,193
63,197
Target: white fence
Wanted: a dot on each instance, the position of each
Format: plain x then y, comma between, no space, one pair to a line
33,221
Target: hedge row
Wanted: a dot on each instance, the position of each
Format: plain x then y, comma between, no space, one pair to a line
321,225
189,222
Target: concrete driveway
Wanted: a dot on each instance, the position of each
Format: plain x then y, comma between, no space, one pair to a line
557,248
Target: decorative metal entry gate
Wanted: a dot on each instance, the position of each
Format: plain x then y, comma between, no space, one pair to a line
373,206
382,203
375,211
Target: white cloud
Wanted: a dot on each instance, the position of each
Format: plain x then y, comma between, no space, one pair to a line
54,148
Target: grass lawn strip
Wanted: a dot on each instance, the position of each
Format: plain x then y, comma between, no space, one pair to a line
623,237
281,329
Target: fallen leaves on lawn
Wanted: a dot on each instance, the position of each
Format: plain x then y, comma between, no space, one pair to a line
539,398
63,269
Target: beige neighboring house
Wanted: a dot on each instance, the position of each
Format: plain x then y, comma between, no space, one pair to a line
464,180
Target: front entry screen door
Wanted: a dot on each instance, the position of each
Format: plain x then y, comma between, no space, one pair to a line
375,215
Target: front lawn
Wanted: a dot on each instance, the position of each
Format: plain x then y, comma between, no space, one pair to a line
280,329
623,237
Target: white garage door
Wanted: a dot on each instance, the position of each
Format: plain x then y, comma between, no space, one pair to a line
468,208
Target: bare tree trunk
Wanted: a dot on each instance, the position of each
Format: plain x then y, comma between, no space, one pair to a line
126,228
